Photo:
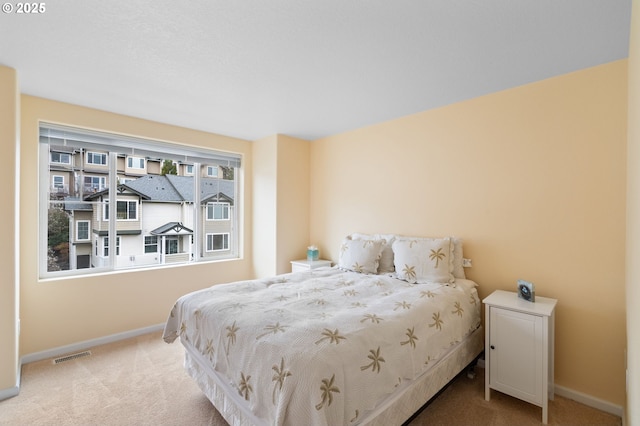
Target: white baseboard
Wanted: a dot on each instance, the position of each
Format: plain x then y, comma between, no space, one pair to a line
76,347
87,344
590,401
582,398
9,393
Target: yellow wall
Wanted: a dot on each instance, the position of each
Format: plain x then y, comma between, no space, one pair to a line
9,131
66,311
633,223
293,201
281,202
532,178
265,180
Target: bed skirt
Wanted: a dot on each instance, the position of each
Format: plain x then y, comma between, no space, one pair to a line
395,409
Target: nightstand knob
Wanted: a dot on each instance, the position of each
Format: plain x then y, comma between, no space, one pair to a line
493,347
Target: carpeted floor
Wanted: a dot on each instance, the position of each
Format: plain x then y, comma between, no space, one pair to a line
140,381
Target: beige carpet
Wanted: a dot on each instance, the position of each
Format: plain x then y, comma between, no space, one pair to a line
141,381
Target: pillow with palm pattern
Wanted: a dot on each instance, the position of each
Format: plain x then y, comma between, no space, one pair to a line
360,255
424,260
386,258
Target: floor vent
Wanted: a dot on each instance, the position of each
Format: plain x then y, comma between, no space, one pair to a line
70,357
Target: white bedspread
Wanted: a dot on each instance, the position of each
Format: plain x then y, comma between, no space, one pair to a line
322,347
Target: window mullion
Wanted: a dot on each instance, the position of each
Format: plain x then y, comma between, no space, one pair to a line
113,209
197,214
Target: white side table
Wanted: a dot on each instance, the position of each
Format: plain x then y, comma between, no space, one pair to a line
519,348
308,265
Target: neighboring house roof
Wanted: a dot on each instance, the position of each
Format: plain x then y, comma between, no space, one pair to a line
219,197
156,188
172,188
121,188
168,189
76,204
172,228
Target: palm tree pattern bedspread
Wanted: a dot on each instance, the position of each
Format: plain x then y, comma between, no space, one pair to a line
325,346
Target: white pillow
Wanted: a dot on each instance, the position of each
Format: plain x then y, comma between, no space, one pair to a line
424,260
360,255
458,269
386,260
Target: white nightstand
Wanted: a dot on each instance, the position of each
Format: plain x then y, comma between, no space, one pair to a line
308,265
519,347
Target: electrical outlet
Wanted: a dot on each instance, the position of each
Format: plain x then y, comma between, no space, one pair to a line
466,263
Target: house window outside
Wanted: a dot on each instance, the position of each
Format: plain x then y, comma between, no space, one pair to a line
125,210
167,211
171,245
95,183
135,163
217,211
82,230
57,183
106,246
60,158
217,242
97,158
188,169
151,244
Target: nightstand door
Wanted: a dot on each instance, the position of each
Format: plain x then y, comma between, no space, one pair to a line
516,345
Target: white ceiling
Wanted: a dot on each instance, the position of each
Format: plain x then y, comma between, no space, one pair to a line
306,68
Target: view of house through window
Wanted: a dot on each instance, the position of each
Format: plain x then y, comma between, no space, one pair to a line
173,204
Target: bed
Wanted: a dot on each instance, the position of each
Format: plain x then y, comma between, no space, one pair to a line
351,344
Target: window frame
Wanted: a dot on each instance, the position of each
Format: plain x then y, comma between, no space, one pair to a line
130,162
147,245
225,241
95,186
60,154
105,246
96,154
54,184
211,206
101,186
172,239
77,230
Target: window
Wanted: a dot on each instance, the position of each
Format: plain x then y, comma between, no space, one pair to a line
217,211
216,242
98,158
151,244
94,183
106,246
57,183
155,213
60,158
125,210
188,169
135,163
171,245
82,230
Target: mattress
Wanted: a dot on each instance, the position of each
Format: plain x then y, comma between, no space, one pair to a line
323,347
